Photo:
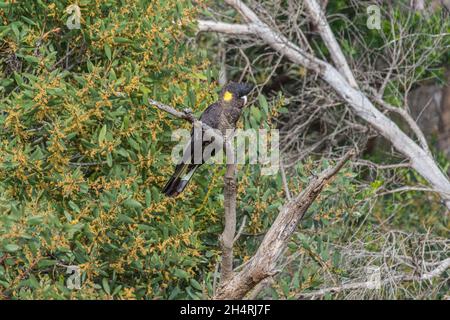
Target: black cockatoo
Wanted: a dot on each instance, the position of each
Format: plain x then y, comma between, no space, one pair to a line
221,115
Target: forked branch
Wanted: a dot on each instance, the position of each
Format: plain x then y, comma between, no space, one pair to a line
263,264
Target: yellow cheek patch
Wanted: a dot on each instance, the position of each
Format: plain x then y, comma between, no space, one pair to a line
227,96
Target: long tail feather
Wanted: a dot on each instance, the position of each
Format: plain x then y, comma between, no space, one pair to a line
179,180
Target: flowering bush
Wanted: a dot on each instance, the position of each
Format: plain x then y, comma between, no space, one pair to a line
80,149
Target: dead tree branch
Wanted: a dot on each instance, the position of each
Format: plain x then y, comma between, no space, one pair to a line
186,114
227,238
263,264
229,231
321,23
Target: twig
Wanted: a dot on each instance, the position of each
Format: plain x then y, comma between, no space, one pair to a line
406,189
368,163
221,27
186,114
241,228
216,275
285,184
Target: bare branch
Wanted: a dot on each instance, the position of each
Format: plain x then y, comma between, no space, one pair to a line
407,189
263,263
285,183
229,231
437,271
377,166
327,35
241,229
222,27
186,114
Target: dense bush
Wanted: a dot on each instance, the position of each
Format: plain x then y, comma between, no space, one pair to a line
80,150
83,157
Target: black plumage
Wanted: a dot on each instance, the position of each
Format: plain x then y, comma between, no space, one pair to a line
221,115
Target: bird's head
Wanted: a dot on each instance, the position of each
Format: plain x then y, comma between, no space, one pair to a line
234,91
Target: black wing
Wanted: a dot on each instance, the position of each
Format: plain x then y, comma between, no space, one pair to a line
191,161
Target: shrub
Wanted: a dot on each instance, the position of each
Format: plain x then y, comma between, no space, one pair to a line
80,150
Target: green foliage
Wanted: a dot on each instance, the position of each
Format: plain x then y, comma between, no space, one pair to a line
81,156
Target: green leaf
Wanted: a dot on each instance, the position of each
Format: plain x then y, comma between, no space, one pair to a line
122,40
132,204
109,159
263,103
107,51
90,66
256,113
200,76
105,285
74,207
181,274
29,21
11,247
35,220
31,59
46,263
124,218
134,144
4,31
124,153
196,285
15,29
148,197
18,78
102,134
